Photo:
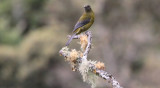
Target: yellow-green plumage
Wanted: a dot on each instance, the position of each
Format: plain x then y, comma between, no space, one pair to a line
89,15
84,22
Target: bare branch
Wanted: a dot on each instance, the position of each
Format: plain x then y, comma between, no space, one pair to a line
88,33
105,75
75,37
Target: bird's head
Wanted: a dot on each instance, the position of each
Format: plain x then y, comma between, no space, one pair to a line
87,8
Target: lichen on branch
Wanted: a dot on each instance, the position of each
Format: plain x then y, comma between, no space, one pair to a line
89,70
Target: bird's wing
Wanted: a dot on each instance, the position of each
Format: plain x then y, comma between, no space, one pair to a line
81,23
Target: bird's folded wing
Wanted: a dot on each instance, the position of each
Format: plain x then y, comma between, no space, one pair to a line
81,23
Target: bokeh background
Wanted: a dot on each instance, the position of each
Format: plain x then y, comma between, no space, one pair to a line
126,37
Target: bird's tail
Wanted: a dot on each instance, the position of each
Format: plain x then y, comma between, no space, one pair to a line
68,42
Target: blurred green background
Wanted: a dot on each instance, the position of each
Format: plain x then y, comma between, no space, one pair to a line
126,37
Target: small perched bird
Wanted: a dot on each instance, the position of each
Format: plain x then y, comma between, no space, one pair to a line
84,22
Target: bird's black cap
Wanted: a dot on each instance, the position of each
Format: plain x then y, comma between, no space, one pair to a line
87,8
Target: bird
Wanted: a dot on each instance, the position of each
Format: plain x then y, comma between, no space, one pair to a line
84,22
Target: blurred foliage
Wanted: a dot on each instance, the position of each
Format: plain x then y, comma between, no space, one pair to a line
125,34
21,13
5,7
137,65
8,36
34,12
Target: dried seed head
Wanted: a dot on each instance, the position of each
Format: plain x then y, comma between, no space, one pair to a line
100,65
83,42
73,55
72,58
